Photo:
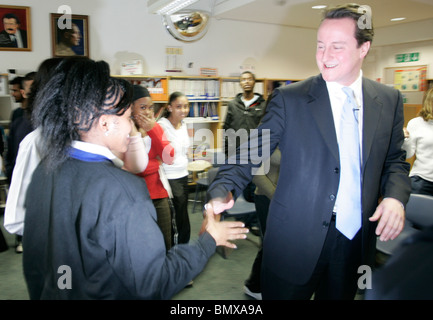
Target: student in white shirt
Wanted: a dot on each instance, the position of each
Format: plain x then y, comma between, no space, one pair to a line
419,142
177,173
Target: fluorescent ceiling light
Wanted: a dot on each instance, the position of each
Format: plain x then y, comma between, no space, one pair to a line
319,7
169,7
398,19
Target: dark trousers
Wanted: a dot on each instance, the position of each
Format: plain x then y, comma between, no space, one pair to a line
421,186
3,244
179,188
262,208
250,220
335,275
163,215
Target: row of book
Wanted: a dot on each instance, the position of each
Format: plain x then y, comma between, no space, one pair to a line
204,109
229,89
196,89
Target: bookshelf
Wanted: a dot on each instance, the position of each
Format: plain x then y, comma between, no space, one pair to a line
157,86
271,84
230,88
208,97
204,97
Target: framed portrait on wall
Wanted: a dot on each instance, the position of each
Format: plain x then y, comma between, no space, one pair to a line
69,35
15,28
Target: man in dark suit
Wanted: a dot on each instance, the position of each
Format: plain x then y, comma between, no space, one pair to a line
305,250
12,36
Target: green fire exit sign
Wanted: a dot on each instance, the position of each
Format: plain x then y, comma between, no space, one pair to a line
407,57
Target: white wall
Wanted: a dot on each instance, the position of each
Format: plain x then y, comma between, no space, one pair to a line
402,38
123,30
385,56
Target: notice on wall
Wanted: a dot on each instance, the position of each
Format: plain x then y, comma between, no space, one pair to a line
131,67
410,79
173,59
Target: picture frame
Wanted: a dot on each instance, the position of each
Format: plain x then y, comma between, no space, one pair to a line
69,35
15,28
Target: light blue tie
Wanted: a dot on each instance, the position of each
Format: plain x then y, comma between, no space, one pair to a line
348,201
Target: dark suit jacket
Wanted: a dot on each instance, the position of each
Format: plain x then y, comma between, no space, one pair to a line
5,40
300,120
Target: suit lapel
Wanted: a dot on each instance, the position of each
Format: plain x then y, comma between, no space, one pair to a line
320,107
372,108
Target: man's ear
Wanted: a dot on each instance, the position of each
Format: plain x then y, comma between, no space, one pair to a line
365,48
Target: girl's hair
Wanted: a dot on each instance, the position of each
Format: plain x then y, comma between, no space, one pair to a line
427,106
79,91
165,113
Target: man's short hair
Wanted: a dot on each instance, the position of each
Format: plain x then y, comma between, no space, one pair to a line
18,81
355,12
11,16
249,72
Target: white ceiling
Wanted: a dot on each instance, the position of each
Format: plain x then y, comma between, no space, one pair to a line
298,13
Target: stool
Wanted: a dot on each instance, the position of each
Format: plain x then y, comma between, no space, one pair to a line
201,185
196,167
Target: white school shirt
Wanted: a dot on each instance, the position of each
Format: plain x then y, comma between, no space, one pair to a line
180,141
27,160
420,143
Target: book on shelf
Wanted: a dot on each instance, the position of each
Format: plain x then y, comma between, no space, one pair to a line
203,110
230,89
196,89
157,87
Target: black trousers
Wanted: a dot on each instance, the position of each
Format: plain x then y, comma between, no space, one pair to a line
179,188
3,244
335,276
421,186
163,215
262,208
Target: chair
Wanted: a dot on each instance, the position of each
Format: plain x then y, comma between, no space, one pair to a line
419,210
196,167
419,215
202,184
241,208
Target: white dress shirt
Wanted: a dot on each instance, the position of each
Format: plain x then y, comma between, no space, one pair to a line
338,97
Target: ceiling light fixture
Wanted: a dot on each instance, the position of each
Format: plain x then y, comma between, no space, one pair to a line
319,7
169,7
398,19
